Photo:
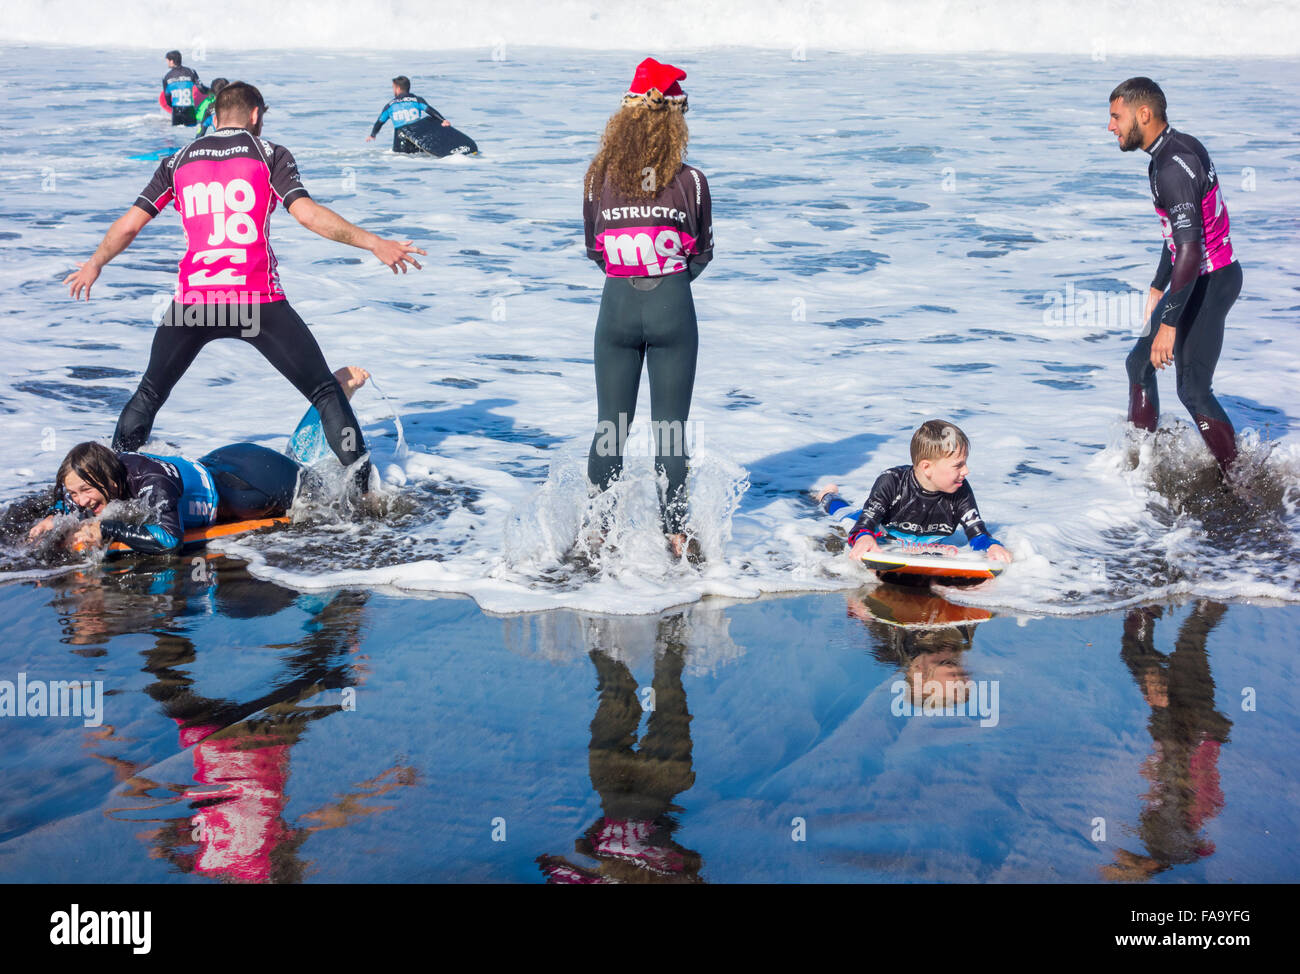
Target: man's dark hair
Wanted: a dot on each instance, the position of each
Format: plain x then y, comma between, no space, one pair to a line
239,99
98,466
1142,91
403,83
174,57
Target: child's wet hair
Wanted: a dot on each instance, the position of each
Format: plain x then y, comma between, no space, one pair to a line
937,438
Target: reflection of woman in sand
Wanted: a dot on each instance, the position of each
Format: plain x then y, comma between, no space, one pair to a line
633,840
1187,733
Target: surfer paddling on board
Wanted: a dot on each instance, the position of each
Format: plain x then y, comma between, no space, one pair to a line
404,109
239,482
648,219
1198,278
921,504
225,186
179,85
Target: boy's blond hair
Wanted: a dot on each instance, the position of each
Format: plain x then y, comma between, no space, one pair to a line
936,439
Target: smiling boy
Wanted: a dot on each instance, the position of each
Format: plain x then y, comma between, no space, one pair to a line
924,502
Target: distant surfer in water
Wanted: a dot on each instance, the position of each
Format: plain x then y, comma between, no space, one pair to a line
225,185
648,219
403,109
239,482
923,503
1198,278
207,110
178,85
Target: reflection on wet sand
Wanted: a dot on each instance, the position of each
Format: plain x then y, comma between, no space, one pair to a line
923,635
632,842
1187,733
233,829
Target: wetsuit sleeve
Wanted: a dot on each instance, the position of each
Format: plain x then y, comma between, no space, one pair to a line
1163,270
285,180
162,494
1178,191
876,510
589,209
148,538
159,192
701,223
968,516
383,117
437,117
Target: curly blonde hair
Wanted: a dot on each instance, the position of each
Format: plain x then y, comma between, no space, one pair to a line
641,151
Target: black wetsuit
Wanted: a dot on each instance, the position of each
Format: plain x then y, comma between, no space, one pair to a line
1203,279
228,285
899,506
650,251
403,110
239,482
179,84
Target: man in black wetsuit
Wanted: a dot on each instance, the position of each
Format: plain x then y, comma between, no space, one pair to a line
178,83
404,109
225,186
1198,278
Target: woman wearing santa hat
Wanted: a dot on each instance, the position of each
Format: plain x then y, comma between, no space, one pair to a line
649,226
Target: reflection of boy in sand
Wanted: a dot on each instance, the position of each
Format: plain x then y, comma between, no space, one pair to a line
1187,733
930,658
633,839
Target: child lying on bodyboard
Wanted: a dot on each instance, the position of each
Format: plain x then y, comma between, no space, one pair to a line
921,504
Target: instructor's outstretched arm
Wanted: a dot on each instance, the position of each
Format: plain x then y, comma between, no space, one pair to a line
116,240
324,221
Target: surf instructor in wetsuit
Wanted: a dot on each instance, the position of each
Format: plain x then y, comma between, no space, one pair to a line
225,186
1198,278
648,219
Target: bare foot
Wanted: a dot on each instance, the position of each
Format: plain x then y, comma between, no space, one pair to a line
680,545
351,378
828,489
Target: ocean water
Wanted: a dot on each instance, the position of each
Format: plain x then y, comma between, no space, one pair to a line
899,236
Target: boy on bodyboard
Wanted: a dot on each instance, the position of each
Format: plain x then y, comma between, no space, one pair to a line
922,504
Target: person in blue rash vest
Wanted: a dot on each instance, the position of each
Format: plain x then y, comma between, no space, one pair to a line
923,503
178,84
404,109
239,482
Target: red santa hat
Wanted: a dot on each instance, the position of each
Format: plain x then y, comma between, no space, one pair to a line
656,85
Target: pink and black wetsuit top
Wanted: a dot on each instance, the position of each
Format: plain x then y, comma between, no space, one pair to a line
224,186
651,238
1189,202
